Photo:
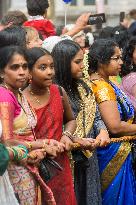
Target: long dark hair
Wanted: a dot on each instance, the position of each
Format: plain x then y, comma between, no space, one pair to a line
128,65
63,53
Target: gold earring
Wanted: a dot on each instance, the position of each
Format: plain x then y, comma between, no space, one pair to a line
30,79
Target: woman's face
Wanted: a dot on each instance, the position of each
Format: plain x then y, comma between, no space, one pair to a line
16,72
134,56
77,65
43,71
115,64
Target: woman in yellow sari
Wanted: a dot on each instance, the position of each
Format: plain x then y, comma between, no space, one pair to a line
115,161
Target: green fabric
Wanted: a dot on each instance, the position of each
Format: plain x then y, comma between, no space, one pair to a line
4,159
119,79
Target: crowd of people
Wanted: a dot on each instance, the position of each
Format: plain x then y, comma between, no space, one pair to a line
67,111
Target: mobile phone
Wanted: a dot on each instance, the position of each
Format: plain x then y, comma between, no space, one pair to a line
122,16
96,19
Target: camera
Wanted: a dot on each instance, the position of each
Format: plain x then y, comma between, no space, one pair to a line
96,19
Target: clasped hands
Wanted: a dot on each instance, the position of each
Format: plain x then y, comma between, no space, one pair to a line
54,148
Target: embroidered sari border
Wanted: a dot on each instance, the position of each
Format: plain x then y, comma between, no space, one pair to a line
115,165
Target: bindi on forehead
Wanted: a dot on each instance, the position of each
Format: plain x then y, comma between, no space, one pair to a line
49,61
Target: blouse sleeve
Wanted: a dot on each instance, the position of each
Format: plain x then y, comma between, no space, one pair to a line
103,91
7,114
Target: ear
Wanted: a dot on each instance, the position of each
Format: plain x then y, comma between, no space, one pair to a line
1,74
1,77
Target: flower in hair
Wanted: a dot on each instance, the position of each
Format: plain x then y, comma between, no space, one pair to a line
86,65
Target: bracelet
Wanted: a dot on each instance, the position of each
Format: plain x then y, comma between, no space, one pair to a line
15,153
44,144
24,150
32,155
68,134
29,145
20,152
10,149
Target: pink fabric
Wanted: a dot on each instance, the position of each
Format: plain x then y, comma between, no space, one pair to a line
127,84
7,96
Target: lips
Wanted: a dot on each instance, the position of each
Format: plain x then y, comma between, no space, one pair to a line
48,79
22,80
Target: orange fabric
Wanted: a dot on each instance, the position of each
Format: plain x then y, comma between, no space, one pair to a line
103,91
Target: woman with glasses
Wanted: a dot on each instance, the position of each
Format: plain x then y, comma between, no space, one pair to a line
115,161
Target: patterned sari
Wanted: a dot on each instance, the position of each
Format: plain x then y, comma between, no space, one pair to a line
115,161
18,120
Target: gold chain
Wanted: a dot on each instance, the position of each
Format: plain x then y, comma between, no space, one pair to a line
36,98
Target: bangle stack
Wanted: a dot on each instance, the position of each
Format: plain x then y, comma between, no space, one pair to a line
19,152
68,134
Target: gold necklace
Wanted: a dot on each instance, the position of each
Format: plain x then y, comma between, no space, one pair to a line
35,98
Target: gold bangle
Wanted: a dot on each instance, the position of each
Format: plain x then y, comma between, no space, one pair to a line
29,145
32,155
10,149
44,144
76,145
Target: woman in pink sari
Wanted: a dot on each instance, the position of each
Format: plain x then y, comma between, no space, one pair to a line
18,121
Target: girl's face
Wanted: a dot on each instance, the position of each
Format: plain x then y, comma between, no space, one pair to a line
35,41
43,71
16,72
134,56
115,64
77,65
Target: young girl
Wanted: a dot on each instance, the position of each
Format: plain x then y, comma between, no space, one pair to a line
37,9
52,112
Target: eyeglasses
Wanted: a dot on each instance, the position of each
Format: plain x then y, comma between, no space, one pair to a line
116,58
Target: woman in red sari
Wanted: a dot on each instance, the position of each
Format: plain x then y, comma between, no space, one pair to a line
53,111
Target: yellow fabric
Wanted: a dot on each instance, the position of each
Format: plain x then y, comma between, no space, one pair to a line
103,91
20,124
25,121
88,108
